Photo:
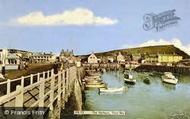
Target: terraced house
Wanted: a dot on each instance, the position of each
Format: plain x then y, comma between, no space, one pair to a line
163,58
42,57
10,58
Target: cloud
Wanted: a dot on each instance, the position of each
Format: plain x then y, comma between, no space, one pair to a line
79,16
176,42
156,42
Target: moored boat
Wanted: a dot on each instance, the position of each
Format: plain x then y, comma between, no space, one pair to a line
168,77
128,78
94,82
146,80
111,90
102,85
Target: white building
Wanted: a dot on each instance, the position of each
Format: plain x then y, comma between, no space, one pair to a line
120,58
43,58
3,56
11,61
92,59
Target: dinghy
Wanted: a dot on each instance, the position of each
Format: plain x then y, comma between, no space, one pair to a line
111,90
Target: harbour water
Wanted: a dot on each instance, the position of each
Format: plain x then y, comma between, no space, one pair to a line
142,101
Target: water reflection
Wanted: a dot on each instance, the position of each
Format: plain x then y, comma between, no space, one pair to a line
128,86
169,87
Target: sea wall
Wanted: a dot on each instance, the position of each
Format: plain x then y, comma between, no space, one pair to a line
174,69
75,100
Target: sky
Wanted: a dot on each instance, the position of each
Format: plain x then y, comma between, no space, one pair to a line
89,25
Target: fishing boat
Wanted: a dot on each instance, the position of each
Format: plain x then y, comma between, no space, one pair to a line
128,78
111,90
168,77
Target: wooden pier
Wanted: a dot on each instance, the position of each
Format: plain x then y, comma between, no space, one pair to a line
44,89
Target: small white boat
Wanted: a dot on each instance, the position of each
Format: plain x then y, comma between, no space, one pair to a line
111,90
128,78
168,77
99,85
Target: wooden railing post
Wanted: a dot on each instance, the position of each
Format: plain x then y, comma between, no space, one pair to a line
8,86
52,72
41,92
68,80
59,86
22,81
31,79
67,84
52,92
59,93
38,77
63,84
48,74
20,97
63,89
44,75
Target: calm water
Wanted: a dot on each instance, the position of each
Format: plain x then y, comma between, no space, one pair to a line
142,101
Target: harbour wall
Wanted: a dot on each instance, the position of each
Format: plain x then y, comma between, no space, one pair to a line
173,69
76,98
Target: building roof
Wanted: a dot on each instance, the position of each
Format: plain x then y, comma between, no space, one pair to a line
92,55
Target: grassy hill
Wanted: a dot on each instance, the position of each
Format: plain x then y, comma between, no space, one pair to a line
161,49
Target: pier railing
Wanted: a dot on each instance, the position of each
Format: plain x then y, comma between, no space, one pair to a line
39,90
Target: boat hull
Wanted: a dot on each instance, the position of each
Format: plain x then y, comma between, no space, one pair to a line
95,86
111,90
170,81
146,81
130,81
